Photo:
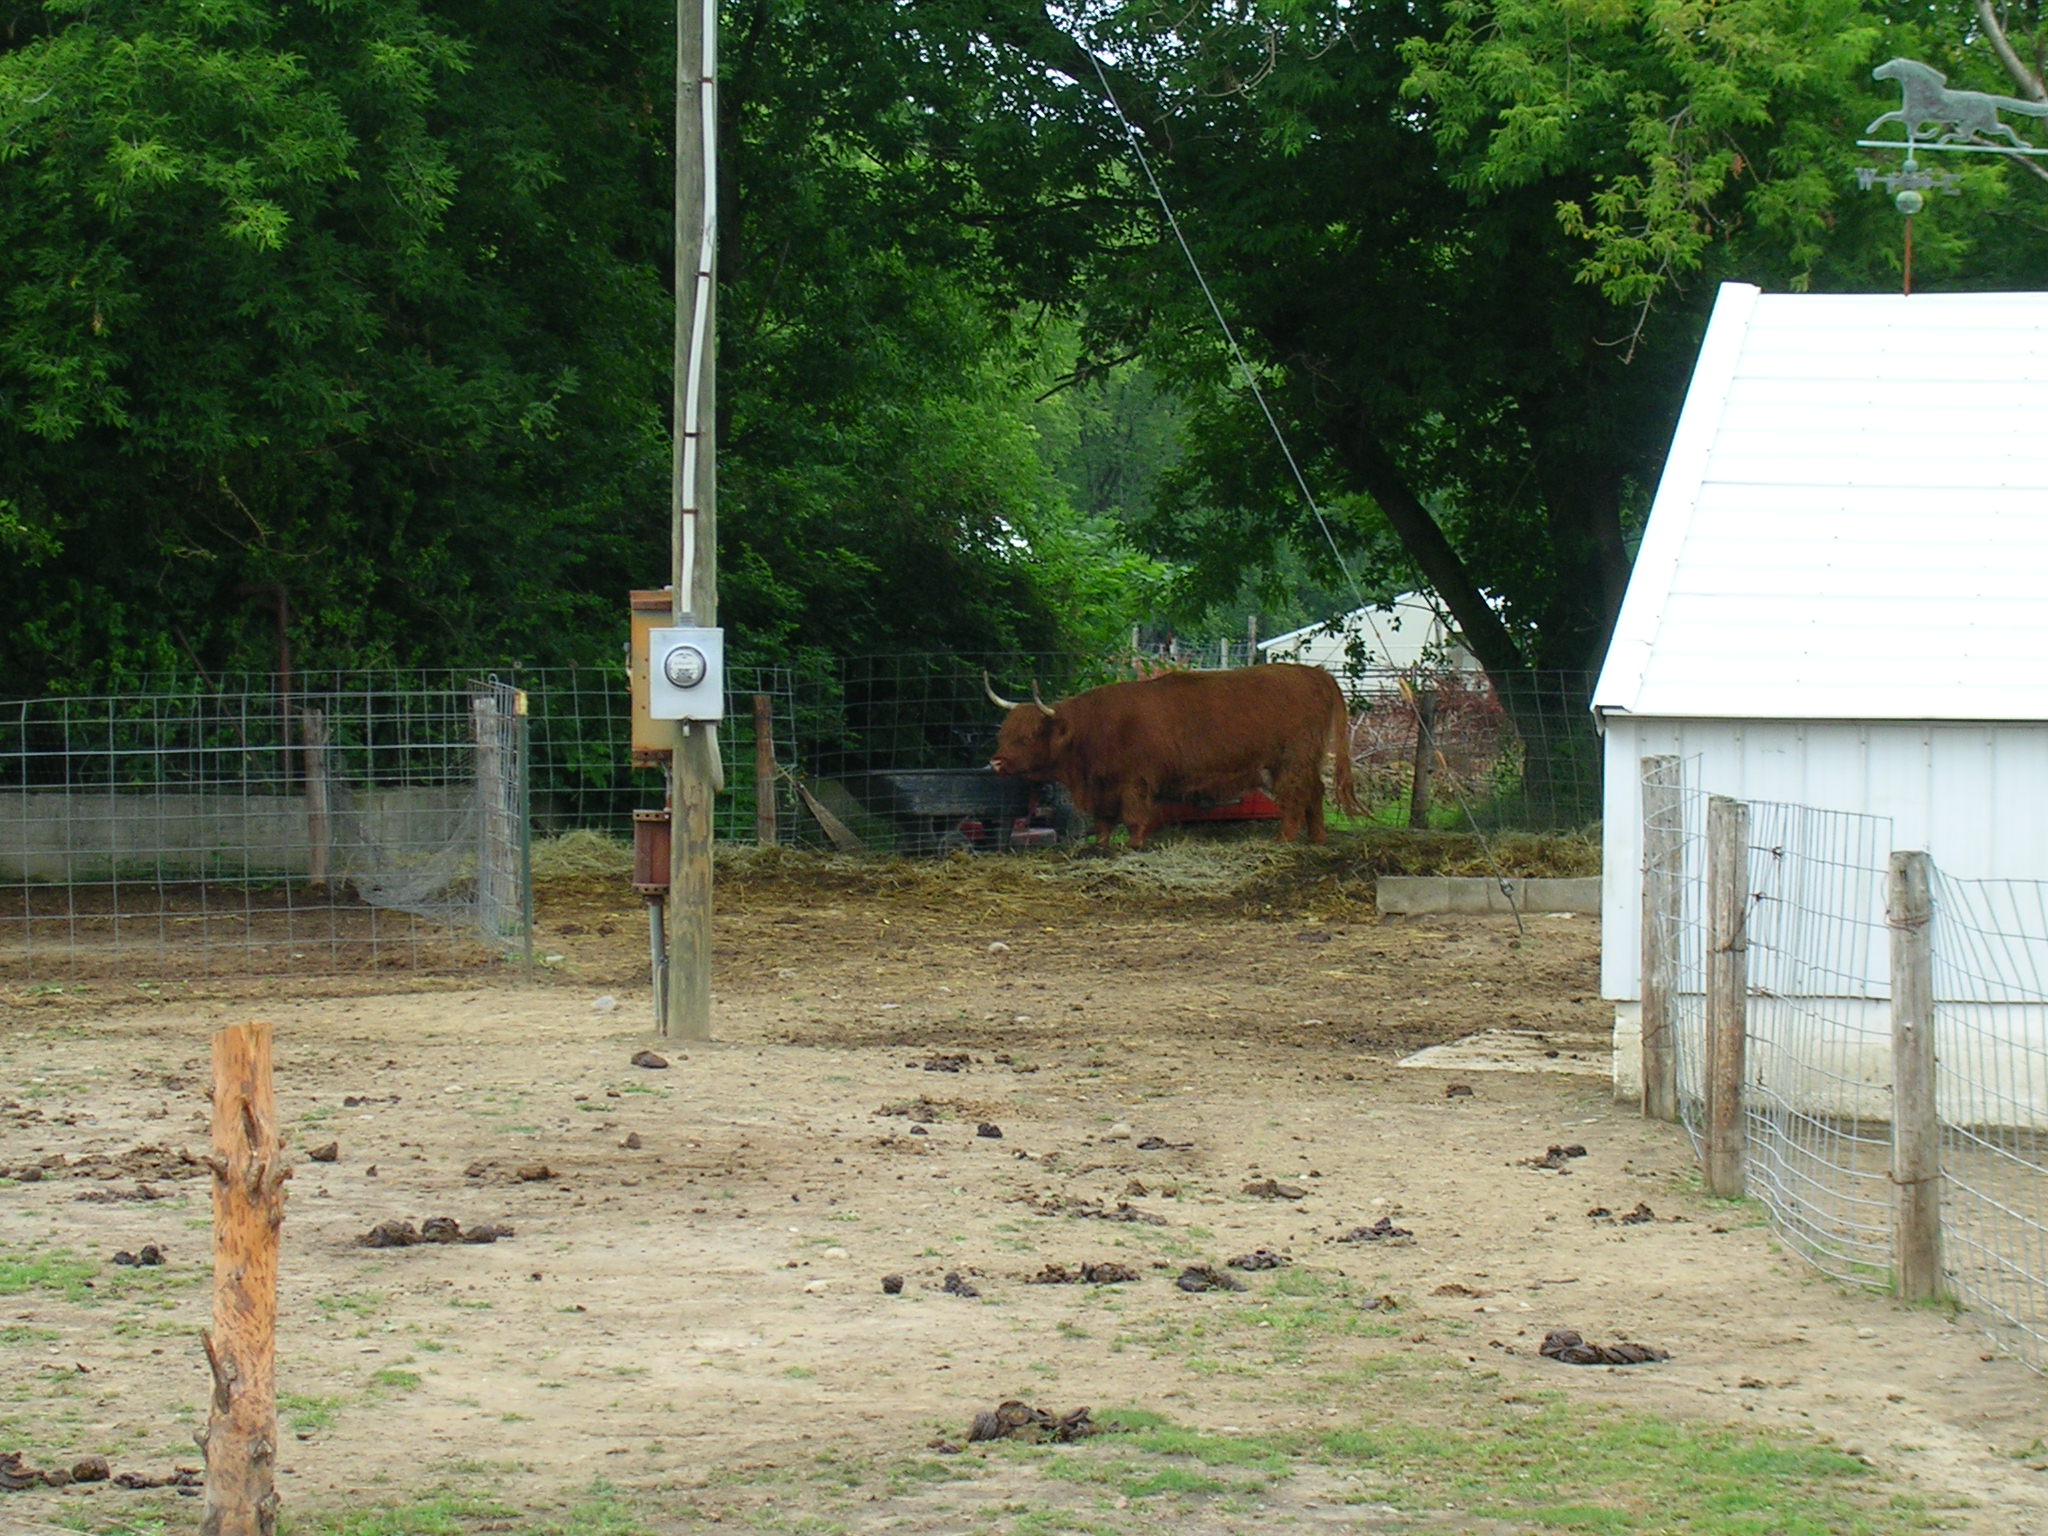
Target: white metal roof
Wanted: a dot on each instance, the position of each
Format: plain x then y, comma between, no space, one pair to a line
1404,632
1853,519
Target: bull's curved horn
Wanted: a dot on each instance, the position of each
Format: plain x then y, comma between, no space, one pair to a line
996,698
1043,706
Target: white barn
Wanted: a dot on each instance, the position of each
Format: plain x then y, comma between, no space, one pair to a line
1841,599
1409,631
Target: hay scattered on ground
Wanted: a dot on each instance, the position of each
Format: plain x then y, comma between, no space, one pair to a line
1237,873
581,853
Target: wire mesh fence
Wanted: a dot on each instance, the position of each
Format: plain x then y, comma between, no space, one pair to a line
894,747
585,775
338,824
1818,1068
1991,1012
1819,1117
888,754
327,822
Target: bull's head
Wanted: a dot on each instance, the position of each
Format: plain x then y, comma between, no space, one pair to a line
1025,747
1002,703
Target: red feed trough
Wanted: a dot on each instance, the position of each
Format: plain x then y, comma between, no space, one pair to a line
1256,806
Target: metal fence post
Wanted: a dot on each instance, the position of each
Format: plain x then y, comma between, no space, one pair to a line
1916,1124
1727,992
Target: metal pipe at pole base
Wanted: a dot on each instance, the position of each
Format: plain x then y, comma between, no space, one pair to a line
657,943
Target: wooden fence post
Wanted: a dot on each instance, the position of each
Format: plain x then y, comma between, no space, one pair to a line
313,727
1663,854
249,1171
764,771
1727,992
1916,1123
500,905
1424,700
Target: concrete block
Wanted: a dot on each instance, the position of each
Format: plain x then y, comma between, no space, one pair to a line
1420,895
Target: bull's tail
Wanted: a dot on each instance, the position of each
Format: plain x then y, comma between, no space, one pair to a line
1340,751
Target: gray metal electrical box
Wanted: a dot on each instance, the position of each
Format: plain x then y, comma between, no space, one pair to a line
686,674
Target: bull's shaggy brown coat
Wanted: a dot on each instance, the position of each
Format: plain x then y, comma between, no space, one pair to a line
1122,749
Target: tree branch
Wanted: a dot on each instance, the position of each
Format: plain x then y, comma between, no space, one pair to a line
1485,635
2028,82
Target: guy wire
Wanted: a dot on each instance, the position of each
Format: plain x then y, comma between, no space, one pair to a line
1280,438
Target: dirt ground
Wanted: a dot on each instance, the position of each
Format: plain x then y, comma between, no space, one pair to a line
936,1077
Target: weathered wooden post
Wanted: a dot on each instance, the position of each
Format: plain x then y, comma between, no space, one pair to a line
1424,701
1727,992
764,771
313,727
500,904
1663,855
240,1440
1916,1124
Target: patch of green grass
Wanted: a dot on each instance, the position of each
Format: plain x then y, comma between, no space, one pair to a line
1291,1328
59,1271
448,1514
1568,1467
928,1469
1271,1455
600,1512
1302,1282
393,1378
308,1415
350,1304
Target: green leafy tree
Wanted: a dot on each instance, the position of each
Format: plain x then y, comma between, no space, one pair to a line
1467,251
366,305
893,245
334,300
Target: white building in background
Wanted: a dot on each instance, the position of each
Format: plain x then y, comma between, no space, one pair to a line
1408,632
1841,600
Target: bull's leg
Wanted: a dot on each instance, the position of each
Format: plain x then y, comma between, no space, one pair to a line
1140,813
1300,793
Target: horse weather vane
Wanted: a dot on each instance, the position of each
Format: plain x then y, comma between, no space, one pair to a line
1968,118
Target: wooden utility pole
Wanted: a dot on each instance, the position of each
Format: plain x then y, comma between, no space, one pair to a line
695,767
248,1209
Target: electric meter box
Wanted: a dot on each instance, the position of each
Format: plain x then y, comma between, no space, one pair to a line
686,674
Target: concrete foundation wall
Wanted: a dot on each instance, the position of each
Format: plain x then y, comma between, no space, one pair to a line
1841,1065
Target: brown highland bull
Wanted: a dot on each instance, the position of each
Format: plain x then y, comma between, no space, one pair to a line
1122,749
